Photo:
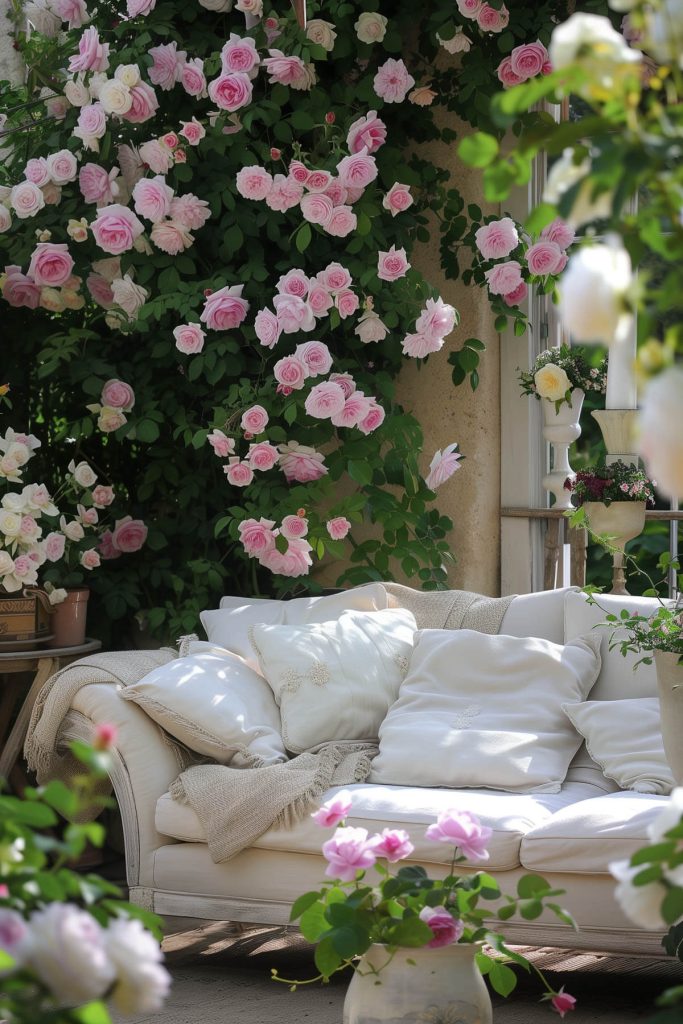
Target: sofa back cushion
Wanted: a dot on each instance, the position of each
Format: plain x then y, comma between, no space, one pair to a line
540,614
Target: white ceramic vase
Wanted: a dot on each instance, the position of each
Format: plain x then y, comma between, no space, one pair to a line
670,687
620,521
440,986
561,428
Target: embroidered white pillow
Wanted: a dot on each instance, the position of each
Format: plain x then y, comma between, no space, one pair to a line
625,738
229,625
485,710
335,680
215,704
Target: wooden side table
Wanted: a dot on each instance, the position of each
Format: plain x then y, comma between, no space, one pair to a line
43,663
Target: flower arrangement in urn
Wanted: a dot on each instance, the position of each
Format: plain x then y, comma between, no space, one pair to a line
556,371
616,482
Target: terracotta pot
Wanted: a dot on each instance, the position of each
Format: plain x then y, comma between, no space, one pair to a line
68,620
670,686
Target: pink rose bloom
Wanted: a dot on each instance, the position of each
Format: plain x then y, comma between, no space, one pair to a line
51,264
128,535
118,395
239,474
193,131
324,400
168,63
267,328
158,157
519,294
318,181
225,308
254,420
296,561
293,527
334,810
190,211
231,91
334,278
347,302
300,463
319,300
392,843
52,194
254,182
393,81
506,75
348,852
392,264
240,55
100,289
345,382
284,194
192,77
469,8
559,232
341,222
171,237
54,546
106,547
529,60
563,1002
26,199
284,70
367,132
116,228
262,456
72,11
338,529
299,172
20,290
317,208
464,831
95,184
291,372
356,408
397,199
36,171
138,8
102,496
373,418
294,282
496,240
152,198
144,104
316,355
504,278
357,170
336,191
222,444
491,20
189,338
545,257
436,320
92,124
446,928
90,559
293,314
257,536
92,54
442,466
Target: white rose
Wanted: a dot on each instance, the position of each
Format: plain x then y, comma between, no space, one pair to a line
82,474
77,93
6,563
371,27
10,523
62,167
109,268
128,295
590,42
73,530
115,97
322,33
129,74
253,7
96,82
563,175
370,328
68,954
592,293
552,382
26,199
216,5
664,31
661,445
5,218
623,5
642,903
15,937
56,594
142,983
13,502
459,43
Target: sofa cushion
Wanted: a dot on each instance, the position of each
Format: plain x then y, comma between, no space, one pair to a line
335,680
377,807
584,837
485,710
538,614
632,753
228,626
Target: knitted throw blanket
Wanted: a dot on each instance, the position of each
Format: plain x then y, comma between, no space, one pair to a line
450,609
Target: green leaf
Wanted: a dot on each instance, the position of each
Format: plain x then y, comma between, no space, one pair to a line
6,961
303,903
59,796
361,472
672,904
147,431
93,1013
303,237
23,813
409,931
531,885
478,150
503,979
313,922
326,957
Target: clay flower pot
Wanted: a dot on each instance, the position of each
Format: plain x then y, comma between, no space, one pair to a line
68,620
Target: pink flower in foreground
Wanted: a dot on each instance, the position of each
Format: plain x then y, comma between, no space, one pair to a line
285,193
496,240
369,132
341,222
267,328
491,20
393,843
92,54
316,355
54,546
118,395
293,314
192,77
152,198
356,408
284,70
232,91
324,400
463,830
436,320
192,131
51,264
357,170
221,443
563,1002
545,257
348,852
506,75
239,473
102,496
397,199
171,236
225,308
294,527
254,182
257,536
291,371
529,60
262,456
347,302
393,81
26,199
316,208
296,561
254,420
504,277
128,534
469,8
300,463
559,232
105,736
334,810
294,282
334,278
443,466
239,55
447,929
516,296
392,264
168,63
189,338
116,228
143,104
373,418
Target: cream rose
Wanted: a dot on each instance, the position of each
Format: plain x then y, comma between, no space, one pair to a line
371,27
82,474
593,293
552,382
115,97
129,74
322,33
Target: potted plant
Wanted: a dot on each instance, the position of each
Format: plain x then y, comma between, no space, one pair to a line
419,946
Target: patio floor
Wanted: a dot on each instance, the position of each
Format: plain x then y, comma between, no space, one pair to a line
222,974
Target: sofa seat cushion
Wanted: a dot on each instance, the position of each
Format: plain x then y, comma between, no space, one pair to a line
585,837
510,815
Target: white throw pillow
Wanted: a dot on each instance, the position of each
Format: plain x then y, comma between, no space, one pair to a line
481,710
215,704
625,738
335,680
229,625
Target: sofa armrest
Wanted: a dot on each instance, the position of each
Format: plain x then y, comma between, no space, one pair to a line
144,764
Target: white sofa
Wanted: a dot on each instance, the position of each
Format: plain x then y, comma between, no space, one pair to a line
568,837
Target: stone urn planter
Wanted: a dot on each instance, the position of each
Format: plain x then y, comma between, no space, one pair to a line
621,521
670,687
561,428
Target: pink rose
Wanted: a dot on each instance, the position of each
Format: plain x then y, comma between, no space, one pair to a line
90,559
338,529
222,444
95,184
26,199
139,8
152,198
92,54
193,131
102,496
447,929
291,371
316,355
496,240
317,208
341,222
334,810
491,20
257,536
262,456
20,290
559,232
293,527
348,852
189,338
334,278
91,125
51,264
254,182
72,11
392,264
285,193
347,302
319,300
356,408
116,228
254,420
192,77
469,8
225,308
345,382
393,81
563,1002
190,211
284,70
443,466
293,314
357,170
170,236
106,547
158,157
143,104
318,181
168,63
54,546
529,60
367,132
464,831
239,474
298,172
267,328
545,258
506,75
296,561
100,289
516,296
231,91
504,278
373,418
128,535
239,55
397,199
118,395
300,463
36,171
436,320
336,191
294,282
324,400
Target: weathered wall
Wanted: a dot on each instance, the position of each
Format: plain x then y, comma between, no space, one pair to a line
11,65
